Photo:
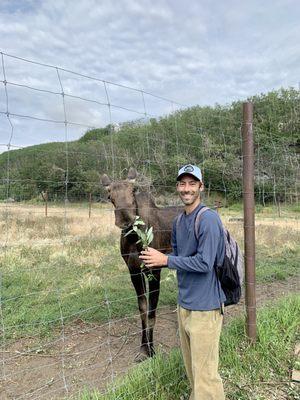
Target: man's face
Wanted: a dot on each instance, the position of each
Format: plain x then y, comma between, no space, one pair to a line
189,189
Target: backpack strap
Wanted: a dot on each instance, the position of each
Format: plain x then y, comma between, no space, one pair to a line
197,220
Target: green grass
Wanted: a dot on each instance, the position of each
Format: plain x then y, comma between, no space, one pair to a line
270,269
249,372
38,285
277,253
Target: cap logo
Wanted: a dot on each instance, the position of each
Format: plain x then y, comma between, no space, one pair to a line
188,168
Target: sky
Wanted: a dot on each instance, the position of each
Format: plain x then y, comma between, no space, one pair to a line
196,52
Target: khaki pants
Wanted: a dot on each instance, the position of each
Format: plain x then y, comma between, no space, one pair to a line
199,336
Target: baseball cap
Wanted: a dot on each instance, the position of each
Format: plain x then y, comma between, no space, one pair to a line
191,170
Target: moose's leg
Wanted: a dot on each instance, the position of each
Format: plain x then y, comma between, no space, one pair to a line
154,286
138,281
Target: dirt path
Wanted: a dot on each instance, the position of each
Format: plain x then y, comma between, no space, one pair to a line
90,356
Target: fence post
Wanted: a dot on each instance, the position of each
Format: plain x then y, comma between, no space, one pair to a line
249,219
46,203
90,204
208,192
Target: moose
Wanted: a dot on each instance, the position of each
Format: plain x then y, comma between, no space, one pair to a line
130,201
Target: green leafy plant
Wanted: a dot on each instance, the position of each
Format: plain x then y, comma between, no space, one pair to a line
145,236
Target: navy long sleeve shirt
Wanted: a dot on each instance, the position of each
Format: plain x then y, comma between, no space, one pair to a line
194,260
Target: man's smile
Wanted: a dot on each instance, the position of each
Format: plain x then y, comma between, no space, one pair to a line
187,194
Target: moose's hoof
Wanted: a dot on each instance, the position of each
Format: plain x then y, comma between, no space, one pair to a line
140,357
144,353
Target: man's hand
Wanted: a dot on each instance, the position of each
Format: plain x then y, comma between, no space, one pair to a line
153,258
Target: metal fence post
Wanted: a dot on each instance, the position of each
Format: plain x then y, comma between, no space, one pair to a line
46,203
249,218
90,204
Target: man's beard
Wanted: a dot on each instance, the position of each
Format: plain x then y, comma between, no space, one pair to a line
189,198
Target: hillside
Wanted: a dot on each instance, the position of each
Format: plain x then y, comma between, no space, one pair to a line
209,136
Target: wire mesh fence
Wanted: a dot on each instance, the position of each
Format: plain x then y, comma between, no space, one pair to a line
69,314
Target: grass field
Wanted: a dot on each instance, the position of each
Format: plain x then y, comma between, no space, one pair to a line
62,265
259,372
67,266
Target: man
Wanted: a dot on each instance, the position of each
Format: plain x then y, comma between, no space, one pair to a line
200,296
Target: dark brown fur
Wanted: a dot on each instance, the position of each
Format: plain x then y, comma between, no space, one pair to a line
128,203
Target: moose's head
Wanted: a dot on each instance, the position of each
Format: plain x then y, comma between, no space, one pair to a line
121,194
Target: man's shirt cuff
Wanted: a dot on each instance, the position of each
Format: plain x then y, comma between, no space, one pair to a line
171,262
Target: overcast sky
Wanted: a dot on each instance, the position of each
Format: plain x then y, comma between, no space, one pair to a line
193,52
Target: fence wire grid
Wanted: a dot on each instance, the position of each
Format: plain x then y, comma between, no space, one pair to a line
69,315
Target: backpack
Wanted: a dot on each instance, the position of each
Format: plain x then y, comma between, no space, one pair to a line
231,273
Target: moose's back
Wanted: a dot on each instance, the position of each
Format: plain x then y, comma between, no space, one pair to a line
163,227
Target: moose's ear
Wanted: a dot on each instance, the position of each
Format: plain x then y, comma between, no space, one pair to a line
132,174
105,181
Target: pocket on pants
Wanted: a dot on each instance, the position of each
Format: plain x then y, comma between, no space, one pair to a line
208,320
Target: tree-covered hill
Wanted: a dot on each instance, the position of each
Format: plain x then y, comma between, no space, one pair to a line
208,136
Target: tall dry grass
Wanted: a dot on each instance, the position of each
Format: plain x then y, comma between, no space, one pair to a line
27,224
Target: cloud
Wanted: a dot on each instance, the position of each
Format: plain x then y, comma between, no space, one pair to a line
199,52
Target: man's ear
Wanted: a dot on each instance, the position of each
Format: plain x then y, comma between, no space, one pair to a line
201,187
